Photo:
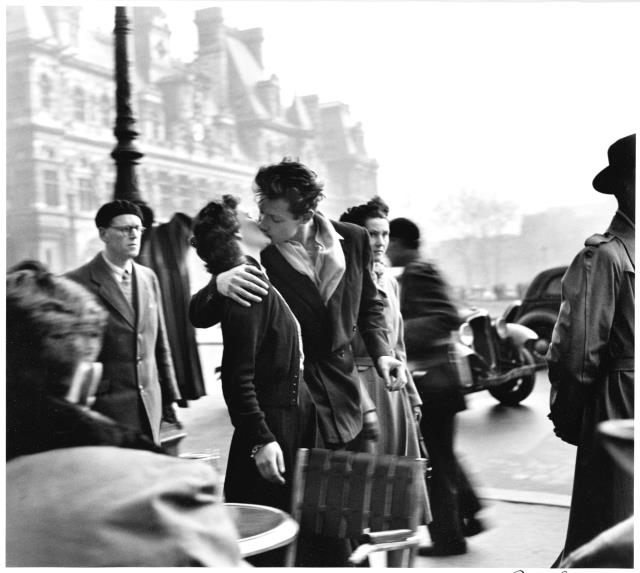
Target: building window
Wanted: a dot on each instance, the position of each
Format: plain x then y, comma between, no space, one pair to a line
45,92
167,194
158,125
86,195
51,188
78,104
105,111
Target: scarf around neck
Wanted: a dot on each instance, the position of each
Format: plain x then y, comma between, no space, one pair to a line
330,263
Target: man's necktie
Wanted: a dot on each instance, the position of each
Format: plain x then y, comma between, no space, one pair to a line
125,284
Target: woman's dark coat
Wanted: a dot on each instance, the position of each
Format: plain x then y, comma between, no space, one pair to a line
261,379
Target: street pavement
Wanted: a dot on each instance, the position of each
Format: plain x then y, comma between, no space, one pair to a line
522,472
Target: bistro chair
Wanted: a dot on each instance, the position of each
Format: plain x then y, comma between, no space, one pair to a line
375,499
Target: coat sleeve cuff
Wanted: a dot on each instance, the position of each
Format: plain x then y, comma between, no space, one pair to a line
257,430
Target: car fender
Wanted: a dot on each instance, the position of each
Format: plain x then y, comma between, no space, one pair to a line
520,334
512,310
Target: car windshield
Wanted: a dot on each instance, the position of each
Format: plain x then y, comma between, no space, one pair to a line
553,287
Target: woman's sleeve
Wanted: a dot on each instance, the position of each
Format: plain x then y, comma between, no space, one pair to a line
242,336
205,307
401,353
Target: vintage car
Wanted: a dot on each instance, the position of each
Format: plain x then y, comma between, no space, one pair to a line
540,305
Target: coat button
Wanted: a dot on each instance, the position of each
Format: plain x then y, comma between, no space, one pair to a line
354,328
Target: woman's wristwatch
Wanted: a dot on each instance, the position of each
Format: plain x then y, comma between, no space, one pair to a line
256,449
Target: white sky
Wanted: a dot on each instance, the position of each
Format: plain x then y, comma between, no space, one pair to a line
517,100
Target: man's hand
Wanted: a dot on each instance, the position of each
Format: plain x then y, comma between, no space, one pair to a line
270,462
244,284
392,371
370,426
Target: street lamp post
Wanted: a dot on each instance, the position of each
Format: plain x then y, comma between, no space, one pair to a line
125,153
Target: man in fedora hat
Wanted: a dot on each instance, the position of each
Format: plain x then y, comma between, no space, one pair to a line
592,351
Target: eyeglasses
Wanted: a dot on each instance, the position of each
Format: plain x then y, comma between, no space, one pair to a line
127,229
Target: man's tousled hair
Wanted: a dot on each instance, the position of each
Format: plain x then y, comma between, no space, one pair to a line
292,181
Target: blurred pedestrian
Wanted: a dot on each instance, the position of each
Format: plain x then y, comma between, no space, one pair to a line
138,385
82,490
429,319
54,334
591,356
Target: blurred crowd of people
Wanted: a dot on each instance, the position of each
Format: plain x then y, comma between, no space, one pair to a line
322,347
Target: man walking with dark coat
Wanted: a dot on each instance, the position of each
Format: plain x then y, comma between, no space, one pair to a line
138,385
429,319
592,348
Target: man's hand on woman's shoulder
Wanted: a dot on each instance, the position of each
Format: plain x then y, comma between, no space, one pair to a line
245,284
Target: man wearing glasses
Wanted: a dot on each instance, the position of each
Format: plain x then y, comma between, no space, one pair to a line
138,385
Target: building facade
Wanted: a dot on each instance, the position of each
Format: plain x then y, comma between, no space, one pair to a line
204,126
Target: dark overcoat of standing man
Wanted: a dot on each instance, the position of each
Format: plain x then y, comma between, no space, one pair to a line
138,385
592,347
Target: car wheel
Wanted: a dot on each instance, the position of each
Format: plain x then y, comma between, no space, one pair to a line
515,391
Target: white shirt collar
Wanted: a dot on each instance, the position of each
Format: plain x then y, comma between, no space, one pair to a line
115,269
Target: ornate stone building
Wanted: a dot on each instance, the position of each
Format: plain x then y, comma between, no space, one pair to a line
204,126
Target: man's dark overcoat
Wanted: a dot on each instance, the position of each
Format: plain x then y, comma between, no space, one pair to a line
328,330
429,319
593,344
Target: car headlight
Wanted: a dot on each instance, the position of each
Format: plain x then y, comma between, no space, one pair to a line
501,328
466,334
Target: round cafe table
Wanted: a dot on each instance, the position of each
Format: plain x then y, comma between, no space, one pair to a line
261,528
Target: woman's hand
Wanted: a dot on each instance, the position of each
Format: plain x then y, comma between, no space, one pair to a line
270,462
417,413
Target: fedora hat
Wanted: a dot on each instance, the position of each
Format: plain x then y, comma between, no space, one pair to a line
621,168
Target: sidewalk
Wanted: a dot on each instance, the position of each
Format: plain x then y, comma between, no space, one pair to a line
520,535
525,530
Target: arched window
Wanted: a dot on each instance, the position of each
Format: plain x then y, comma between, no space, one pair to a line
78,104
45,92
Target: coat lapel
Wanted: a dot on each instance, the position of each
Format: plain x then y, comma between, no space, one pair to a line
334,304
109,290
142,295
336,298
286,279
